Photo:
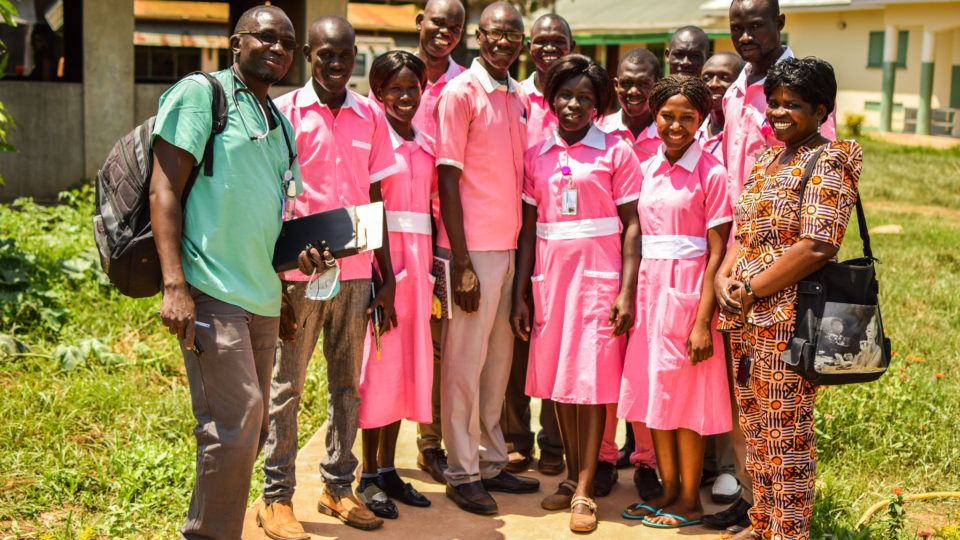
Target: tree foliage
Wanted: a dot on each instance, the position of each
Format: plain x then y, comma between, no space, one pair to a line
7,12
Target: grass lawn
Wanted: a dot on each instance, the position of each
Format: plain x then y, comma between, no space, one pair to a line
95,425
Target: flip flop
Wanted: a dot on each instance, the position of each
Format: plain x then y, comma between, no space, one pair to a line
639,506
684,522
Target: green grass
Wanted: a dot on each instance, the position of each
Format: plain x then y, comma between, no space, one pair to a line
95,425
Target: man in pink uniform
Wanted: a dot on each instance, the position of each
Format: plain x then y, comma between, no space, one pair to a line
344,150
482,116
718,74
550,40
637,73
755,27
440,25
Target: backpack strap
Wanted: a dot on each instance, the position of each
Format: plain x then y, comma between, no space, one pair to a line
861,215
218,124
219,109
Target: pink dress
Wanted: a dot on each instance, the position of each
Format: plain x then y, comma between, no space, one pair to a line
678,204
574,357
398,384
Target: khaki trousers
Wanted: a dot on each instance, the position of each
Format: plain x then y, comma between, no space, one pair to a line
475,366
229,392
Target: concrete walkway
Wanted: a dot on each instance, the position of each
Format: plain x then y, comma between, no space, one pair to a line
520,516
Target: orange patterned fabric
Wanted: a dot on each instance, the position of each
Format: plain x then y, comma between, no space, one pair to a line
776,405
769,221
776,416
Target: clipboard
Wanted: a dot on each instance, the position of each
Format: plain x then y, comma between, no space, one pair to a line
347,231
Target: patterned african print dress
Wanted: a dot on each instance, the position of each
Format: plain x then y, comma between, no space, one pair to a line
776,406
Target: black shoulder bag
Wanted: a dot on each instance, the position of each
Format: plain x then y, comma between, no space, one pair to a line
839,335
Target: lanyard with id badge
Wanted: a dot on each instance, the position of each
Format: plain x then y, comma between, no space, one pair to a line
569,194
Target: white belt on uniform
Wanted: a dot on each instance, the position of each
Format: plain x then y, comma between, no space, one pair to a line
408,222
584,228
672,246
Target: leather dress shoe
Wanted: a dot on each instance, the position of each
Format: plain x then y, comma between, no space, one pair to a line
737,514
605,479
473,498
647,483
279,523
433,461
549,464
508,483
397,489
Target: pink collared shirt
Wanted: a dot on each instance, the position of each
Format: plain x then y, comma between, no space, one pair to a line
746,133
645,144
541,121
426,118
712,145
483,133
340,157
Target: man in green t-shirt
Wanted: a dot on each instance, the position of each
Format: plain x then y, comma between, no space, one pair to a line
221,296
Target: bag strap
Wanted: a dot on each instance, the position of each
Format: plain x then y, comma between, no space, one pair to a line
218,124
861,215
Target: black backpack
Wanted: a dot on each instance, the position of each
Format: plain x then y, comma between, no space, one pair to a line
121,223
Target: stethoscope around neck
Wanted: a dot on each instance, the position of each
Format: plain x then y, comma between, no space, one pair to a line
287,183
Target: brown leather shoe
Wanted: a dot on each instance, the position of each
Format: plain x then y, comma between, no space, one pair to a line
549,464
349,510
279,523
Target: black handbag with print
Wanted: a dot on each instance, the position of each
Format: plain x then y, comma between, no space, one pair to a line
839,335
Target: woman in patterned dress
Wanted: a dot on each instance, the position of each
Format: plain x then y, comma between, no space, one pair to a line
780,240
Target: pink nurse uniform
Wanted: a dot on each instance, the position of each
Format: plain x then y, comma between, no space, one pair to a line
661,387
574,357
398,385
541,121
645,144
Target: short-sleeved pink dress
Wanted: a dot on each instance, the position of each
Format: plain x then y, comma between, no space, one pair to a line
574,357
661,388
398,385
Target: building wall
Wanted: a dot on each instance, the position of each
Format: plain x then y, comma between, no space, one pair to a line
49,138
842,38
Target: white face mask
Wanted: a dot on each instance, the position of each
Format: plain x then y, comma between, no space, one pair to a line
324,286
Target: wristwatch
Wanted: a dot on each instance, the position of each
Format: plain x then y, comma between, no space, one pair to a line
749,290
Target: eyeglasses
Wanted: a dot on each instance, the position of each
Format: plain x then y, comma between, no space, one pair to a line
497,35
270,39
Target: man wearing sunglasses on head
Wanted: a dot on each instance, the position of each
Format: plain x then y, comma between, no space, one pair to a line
215,255
482,116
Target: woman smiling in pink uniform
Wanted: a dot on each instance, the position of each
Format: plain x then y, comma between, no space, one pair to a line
674,376
396,384
580,192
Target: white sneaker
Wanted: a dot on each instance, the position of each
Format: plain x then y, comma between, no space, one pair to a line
726,489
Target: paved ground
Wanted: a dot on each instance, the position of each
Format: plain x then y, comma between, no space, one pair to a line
520,515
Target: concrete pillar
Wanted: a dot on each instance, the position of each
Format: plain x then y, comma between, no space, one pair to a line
889,76
926,82
108,86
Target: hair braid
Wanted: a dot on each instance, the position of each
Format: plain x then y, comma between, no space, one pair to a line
691,88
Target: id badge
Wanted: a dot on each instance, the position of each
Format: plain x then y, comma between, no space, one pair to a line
568,201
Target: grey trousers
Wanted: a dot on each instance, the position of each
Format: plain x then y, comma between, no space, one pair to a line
430,436
515,419
343,322
477,351
229,388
